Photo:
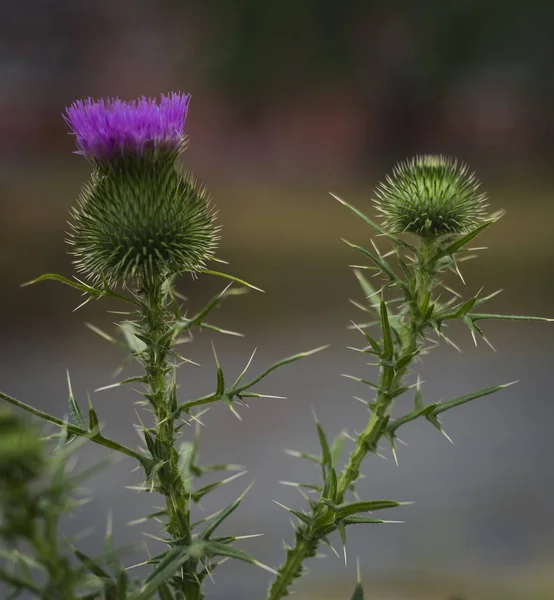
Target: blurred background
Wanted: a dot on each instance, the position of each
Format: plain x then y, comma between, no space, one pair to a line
291,100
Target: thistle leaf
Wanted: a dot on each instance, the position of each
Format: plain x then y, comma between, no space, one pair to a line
483,316
98,439
93,423
337,447
347,510
231,277
382,264
368,289
274,366
327,459
356,520
200,493
388,346
358,592
218,549
461,242
75,414
164,570
444,406
223,515
342,532
372,224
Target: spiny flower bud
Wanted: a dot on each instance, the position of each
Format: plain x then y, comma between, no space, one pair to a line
21,451
431,196
139,218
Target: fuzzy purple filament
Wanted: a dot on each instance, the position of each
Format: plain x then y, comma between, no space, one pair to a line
108,128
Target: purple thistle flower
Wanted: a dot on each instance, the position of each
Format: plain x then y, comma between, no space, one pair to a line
108,128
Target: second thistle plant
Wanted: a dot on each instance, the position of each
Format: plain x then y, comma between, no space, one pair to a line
439,201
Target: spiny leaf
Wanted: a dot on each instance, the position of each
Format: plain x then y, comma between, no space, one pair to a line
483,316
382,264
355,520
358,592
422,411
132,337
461,242
368,289
372,224
360,380
223,515
311,457
301,516
431,411
204,325
198,319
103,334
337,447
138,379
231,277
165,569
98,439
200,493
342,532
376,348
218,549
347,510
325,450
82,287
93,423
79,285
388,346
220,388
444,406
276,365
75,414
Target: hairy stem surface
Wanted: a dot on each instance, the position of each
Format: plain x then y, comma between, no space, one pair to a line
156,328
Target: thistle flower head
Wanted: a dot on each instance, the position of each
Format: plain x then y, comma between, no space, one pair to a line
107,128
139,217
431,196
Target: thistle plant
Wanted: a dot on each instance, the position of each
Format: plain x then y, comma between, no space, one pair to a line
37,489
141,222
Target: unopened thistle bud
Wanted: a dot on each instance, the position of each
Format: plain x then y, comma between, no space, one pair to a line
139,218
431,196
21,450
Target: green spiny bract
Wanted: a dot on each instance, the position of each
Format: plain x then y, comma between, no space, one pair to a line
431,196
140,219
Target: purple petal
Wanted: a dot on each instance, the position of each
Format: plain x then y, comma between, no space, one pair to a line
111,127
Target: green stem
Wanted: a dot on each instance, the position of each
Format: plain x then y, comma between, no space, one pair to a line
156,328
413,325
307,541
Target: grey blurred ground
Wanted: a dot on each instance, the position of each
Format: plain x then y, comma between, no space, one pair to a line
481,523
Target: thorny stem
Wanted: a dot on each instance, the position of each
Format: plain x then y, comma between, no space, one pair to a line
412,327
156,328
